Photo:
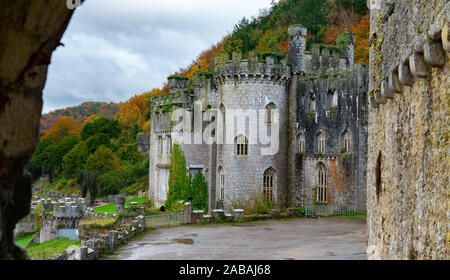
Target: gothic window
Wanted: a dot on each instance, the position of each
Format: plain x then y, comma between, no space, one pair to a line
222,111
241,145
333,98
169,145
160,145
321,143
312,103
268,184
221,184
347,142
301,143
269,112
321,195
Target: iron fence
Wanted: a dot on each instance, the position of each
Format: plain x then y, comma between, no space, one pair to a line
330,210
166,220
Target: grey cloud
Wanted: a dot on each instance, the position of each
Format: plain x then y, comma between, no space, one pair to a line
115,49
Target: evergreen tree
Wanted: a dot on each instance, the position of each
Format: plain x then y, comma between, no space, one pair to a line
179,183
199,192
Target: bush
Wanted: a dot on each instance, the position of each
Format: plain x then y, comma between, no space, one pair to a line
110,183
254,203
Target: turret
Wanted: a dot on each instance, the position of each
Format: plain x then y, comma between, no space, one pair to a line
297,45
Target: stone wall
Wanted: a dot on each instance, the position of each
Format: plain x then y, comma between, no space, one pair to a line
29,33
143,143
408,153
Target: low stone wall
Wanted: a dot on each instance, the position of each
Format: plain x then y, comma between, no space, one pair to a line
219,215
96,241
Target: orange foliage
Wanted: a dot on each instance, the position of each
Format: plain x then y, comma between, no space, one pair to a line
362,31
136,109
206,60
62,128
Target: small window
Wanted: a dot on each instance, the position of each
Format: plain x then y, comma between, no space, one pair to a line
312,103
301,143
241,145
321,195
347,142
160,145
270,109
222,184
268,184
169,145
321,143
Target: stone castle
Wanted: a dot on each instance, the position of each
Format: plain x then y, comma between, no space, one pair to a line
318,98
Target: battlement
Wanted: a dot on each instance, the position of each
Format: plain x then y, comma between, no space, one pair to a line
177,83
269,65
180,98
68,207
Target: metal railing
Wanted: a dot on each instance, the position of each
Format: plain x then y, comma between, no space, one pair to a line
330,210
166,220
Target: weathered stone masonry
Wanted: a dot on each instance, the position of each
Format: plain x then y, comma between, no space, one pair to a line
339,91
408,152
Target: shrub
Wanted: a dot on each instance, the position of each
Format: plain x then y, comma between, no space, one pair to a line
110,183
253,203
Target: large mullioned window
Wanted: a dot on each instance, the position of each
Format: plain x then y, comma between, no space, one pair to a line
321,195
268,184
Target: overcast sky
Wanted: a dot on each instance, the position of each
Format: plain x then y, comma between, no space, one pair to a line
115,49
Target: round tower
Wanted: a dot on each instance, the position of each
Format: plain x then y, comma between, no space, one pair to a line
252,98
297,46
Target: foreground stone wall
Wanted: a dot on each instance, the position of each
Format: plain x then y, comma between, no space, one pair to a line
29,32
408,153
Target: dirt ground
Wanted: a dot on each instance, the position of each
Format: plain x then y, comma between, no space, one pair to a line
294,239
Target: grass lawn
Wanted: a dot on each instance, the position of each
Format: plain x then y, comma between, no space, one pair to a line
23,241
47,249
111,208
353,216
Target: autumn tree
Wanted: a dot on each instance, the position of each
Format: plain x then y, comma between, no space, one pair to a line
362,33
74,160
62,128
103,160
136,110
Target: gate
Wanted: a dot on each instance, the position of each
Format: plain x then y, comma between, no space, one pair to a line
330,210
166,220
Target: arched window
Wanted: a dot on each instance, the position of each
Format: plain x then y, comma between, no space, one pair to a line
347,142
222,111
169,145
268,184
301,143
221,184
321,143
333,98
321,184
160,145
241,145
312,102
269,112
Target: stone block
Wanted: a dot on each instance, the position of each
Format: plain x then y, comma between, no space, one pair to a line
394,83
434,54
417,65
386,92
218,214
445,38
274,213
238,215
207,219
197,216
404,74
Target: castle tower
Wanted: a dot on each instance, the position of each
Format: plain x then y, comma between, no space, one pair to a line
297,45
257,86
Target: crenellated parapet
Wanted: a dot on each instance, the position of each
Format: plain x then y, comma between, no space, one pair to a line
177,83
268,67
